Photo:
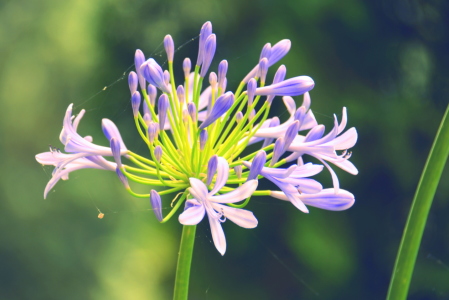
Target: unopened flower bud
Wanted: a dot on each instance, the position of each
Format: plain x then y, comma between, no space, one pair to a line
135,103
156,204
133,81
186,66
158,153
169,46
211,168
203,139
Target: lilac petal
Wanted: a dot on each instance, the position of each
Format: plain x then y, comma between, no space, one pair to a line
294,200
223,103
243,218
122,177
315,133
291,87
211,168
346,165
250,90
198,189
307,170
329,200
263,69
308,186
345,141
257,164
279,50
156,204
203,139
115,148
217,234
222,175
242,192
193,214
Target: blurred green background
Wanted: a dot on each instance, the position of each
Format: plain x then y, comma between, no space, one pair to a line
386,61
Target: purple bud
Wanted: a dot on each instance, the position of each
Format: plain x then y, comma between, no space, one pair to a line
166,77
208,55
291,87
115,148
152,131
223,103
239,116
186,66
156,204
122,178
169,46
257,165
266,51
211,168
203,138
250,90
314,134
153,74
213,80
158,153
238,171
191,108
133,81
290,134
135,103
139,59
152,94
279,149
263,69
278,51
162,106
222,70
206,30
181,94
147,118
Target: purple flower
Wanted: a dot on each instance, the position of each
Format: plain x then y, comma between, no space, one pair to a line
204,202
293,181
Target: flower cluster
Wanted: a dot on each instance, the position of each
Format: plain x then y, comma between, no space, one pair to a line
198,137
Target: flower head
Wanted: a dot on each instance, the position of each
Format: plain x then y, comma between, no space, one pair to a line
197,135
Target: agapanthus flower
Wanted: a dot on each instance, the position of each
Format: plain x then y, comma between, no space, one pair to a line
197,135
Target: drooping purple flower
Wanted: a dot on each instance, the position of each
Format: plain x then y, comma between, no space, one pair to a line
133,81
135,103
162,106
139,59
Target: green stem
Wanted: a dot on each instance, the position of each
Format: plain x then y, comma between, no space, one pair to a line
411,238
184,262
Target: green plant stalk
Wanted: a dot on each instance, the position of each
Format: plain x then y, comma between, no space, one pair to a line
184,262
417,218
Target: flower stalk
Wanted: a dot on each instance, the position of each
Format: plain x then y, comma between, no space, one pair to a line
419,211
181,291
